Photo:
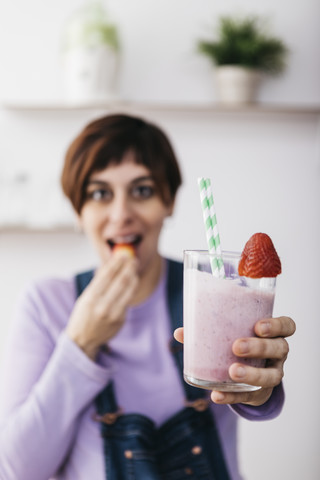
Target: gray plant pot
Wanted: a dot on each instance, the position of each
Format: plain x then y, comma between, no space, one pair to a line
237,85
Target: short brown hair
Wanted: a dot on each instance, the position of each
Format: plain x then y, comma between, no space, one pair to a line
106,140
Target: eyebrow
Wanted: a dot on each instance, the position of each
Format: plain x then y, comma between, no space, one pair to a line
133,182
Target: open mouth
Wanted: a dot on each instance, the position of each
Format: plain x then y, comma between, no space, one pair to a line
132,240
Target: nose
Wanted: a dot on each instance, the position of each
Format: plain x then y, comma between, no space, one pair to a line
120,211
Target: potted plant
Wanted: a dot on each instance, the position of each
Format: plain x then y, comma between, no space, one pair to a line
90,53
242,52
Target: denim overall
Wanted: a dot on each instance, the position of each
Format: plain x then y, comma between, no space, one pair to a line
186,446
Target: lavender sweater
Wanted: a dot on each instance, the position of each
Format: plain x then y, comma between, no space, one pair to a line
49,386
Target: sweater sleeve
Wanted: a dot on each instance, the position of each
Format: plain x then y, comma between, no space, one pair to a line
46,387
267,411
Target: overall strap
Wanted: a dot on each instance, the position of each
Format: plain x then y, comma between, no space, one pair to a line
105,402
82,281
175,301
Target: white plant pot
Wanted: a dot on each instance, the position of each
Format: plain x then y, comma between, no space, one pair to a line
237,85
90,74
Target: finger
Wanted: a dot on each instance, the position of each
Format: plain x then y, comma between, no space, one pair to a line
107,274
261,377
256,398
275,327
178,334
275,348
120,291
123,298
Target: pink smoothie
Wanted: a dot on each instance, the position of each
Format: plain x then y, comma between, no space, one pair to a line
217,312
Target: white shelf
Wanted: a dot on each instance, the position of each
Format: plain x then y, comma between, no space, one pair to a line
52,229
114,105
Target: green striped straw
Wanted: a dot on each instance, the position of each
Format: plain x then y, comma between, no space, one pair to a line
211,226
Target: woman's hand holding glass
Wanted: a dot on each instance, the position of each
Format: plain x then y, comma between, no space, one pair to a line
99,312
270,344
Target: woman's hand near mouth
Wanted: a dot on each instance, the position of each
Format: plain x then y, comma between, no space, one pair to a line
99,312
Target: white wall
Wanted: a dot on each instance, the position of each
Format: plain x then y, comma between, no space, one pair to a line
265,171
158,38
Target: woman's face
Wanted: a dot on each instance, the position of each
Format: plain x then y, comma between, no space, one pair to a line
123,206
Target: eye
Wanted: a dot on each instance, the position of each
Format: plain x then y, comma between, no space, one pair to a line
141,192
100,195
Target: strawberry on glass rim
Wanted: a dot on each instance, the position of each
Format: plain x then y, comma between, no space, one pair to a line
259,258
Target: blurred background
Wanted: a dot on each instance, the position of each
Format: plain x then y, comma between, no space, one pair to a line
263,159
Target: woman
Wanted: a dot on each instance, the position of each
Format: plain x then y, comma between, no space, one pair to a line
93,386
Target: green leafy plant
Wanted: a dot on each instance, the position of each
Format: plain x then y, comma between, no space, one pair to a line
90,27
244,42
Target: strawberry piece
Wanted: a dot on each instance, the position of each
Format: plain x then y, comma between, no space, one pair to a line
259,258
124,248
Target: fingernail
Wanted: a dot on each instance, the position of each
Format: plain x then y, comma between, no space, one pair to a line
243,346
240,372
218,396
265,328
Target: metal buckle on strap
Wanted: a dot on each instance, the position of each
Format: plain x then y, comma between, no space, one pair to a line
200,405
109,418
